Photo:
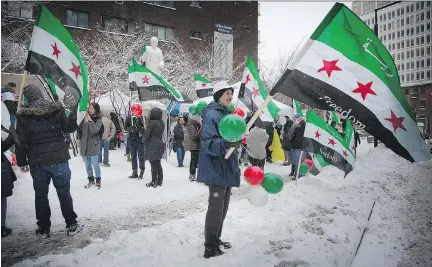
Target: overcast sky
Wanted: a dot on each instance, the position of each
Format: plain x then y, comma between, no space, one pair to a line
283,25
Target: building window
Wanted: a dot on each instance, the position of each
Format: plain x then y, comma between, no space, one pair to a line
422,28
389,26
169,4
402,56
402,44
407,9
412,65
418,64
428,26
422,16
412,42
421,63
385,27
422,75
398,12
417,6
428,62
389,36
195,3
380,18
422,51
418,29
407,20
427,4
385,17
393,14
398,57
77,19
421,5
428,50
412,76
422,39
402,11
403,79
162,33
418,76
428,38
417,53
412,7
393,46
22,10
403,67
393,36
196,35
422,102
428,74
408,77
118,25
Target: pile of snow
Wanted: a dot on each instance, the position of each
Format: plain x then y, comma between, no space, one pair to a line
318,222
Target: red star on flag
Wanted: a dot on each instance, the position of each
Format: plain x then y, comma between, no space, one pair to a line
56,52
255,92
353,148
396,121
203,84
317,134
330,66
345,153
248,78
146,79
364,89
140,61
76,70
332,142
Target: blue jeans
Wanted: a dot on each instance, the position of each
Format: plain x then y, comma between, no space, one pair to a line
60,175
295,159
92,162
105,147
137,154
180,155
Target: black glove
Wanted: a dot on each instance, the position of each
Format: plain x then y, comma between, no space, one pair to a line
233,144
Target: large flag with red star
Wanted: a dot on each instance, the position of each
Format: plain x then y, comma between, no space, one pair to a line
55,56
151,86
252,92
323,142
344,67
204,87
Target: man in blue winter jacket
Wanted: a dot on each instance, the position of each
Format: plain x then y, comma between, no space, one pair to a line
218,173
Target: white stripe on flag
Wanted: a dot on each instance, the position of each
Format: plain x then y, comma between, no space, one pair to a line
258,99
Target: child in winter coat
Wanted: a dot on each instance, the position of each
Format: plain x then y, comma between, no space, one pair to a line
256,146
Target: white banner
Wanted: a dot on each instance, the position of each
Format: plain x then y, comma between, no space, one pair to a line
223,51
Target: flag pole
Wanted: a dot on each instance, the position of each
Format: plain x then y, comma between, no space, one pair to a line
252,120
23,82
298,166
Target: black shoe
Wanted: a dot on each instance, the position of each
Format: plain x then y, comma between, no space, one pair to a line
106,165
141,174
44,234
159,184
98,183
226,245
91,182
134,174
74,229
6,231
269,160
151,184
212,252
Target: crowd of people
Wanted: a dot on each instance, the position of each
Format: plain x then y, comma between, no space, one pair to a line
41,148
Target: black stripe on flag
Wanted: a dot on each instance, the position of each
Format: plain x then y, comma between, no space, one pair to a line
318,94
46,67
201,93
246,97
158,92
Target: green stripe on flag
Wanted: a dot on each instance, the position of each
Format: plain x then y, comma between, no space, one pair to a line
200,78
335,118
272,108
143,50
52,86
297,107
357,42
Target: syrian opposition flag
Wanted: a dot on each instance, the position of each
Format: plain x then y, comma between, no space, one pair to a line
334,118
54,55
151,86
320,138
204,87
131,78
297,107
252,92
344,67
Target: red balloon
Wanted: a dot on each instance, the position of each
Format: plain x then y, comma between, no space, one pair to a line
254,175
136,110
240,112
309,163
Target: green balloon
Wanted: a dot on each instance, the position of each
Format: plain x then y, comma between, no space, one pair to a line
321,160
272,183
231,107
304,168
232,128
200,107
193,110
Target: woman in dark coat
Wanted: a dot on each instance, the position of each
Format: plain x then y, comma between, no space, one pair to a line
179,136
154,146
8,177
218,173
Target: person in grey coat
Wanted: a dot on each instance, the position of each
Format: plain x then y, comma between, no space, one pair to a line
154,146
108,134
192,143
256,145
90,134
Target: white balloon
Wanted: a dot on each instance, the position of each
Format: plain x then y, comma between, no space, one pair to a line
257,196
282,120
5,120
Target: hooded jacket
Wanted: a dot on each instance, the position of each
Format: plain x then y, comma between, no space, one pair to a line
286,142
213,168
295,134
40,128
154,145
192,138
135,128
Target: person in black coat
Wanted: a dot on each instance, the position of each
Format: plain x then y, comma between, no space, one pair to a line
115,141
178,146
268,126
135,128
40,128
286,144
295,134
154,146
8,177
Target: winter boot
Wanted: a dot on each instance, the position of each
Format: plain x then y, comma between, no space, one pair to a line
134,174
98,182
106,165
91,182
5,231
74,228
43,233
212,252
192,177
128,158
152,184
141,174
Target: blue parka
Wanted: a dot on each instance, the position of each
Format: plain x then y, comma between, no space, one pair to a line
213,168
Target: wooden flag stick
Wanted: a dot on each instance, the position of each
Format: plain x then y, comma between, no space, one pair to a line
252,120
298,166
23,83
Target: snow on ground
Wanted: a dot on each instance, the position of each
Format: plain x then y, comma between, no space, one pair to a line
317,222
